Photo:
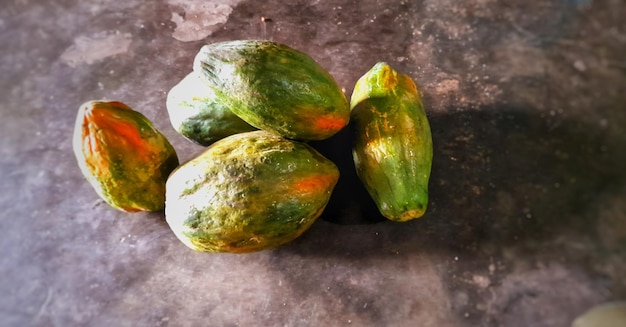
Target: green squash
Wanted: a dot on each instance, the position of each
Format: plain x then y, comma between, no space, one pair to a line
393,149
274,87
195,115
248,192
124,158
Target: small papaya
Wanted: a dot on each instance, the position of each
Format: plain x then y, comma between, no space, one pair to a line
393,146
274,87
248,192
195,114
123,156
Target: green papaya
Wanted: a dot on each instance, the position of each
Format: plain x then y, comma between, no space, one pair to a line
123,156
248,192
195,115
393,147
274,87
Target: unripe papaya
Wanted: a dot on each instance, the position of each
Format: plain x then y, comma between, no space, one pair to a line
274,87
123,156
248,192
196,115
393,148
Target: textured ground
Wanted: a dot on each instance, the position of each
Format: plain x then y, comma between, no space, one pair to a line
527,220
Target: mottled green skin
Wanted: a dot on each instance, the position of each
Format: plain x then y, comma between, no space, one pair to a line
195,115
275,88
123,156
248,192
393,149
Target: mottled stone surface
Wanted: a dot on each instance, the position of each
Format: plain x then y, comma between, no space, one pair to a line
527,220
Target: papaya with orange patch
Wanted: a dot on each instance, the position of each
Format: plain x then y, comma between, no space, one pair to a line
274,87
123,156
248,192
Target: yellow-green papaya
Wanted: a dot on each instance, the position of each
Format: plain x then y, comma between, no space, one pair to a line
248,192
393,148
274,87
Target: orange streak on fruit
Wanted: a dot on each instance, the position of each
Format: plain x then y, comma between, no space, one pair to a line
109,134
330,123
312,184
409,84
123,133
123,130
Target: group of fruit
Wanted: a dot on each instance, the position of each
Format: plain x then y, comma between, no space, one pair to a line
258,185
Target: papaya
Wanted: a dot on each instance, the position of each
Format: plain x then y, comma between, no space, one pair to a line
274,87
123,156
393,147
248,192
195,115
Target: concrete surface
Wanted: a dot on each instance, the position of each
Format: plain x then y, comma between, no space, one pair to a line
527,220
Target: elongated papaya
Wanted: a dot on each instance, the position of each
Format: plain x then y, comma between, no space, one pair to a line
248,192
393,148
123,156
195,115
274,87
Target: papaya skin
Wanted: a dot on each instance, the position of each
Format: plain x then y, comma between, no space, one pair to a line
248,192
393,147
195,115
123,157
274,87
